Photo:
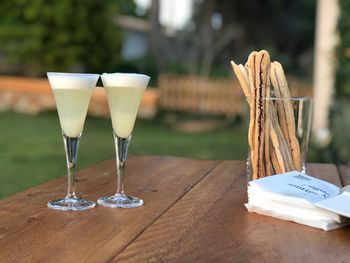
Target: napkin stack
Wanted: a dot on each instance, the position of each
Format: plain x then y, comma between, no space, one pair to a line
293,196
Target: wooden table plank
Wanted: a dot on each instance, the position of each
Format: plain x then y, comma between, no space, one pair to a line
30,232
344,171
210,224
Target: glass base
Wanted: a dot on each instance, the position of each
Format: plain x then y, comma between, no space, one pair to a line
71,204
120,201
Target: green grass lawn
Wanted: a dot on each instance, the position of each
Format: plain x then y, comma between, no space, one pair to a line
31,148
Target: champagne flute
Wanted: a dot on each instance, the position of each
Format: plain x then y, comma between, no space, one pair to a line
72,92
124,93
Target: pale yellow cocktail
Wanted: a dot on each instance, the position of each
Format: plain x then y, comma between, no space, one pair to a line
123,105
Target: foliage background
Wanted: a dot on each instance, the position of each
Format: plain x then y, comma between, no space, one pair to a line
338,150
67,35
37,36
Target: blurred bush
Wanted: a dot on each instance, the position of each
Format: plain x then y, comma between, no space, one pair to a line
338,150
341,139
343,51
67,35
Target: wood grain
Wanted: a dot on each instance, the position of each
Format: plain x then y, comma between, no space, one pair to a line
30,232
210,224
344,171
193,212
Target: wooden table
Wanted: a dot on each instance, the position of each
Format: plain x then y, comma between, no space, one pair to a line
193,212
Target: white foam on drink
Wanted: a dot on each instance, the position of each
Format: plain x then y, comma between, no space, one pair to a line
60,80
125,80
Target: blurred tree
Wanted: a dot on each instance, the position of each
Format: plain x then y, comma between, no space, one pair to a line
155,37
285,28
343,51
127,7
67,35
338,150
225,29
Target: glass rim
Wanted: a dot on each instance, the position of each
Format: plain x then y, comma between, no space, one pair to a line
118,79
70,74
297,98
124,74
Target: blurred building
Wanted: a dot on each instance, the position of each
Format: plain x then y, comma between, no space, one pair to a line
136,30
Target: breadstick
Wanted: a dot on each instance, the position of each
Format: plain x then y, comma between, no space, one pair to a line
242,79
279,103
267,128
274,147
287,113
275,163
261,67
279,142
251,74
294,143
288,162
244,72
284,142
278,150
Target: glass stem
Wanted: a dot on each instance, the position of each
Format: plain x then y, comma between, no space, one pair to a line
71,147
121,148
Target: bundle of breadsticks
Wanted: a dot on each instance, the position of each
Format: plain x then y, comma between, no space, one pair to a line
274,147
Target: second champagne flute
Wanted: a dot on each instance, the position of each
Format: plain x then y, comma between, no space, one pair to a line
124,93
